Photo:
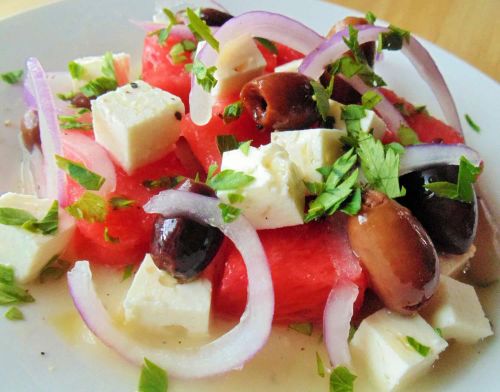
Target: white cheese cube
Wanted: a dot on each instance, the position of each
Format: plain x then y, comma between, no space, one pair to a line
138,124
239,61
454,265
380,349
92,69
456,310
292,66
276,197
367,123
310,149
29,252
155,300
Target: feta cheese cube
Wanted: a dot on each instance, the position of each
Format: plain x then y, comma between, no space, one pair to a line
138,124
367,123
29,252
155,300
456,310
292,66
454,265
239,61
310,149
92,69
381,351
276,197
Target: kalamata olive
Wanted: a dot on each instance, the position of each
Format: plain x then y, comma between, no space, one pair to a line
396,252
80,100
181,246
30,129
450,223
282,100
213,17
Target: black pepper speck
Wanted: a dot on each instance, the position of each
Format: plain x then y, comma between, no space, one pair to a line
178,116
134,85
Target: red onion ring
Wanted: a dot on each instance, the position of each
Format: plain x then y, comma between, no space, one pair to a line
83,149
334,47
50,134
274,27
337,321
421,156
227,352
179,30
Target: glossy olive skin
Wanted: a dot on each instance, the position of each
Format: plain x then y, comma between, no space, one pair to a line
450,223
213,17
280,101
396,252
184,247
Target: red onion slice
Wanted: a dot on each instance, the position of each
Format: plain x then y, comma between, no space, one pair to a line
181,31
50,134
425,155
227,352
83,149
274,27
333,48
337,321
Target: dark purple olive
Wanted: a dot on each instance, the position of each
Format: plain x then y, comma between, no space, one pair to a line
30,130
80,100
451,224
396,252
213,17
279,101
184,247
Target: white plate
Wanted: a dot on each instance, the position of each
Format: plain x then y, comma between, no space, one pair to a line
63,31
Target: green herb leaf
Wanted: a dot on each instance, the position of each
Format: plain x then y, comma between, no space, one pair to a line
303,328
352,331
232,112
153,378
245,146
394,39
444,189
90,207
396,147
108,66
16,217
321,96
417,346
127,271
78,172
352,116
226,143
177,53
66,96
235,198
370,17
170,15
353,205
99,86
14,314
269,45
6,274
76,70
320,367
342,380
109,238
200,28
119,202
229,213
472,124
12,77
211,171
314,188
439,331
163,182
54,269
72,122
228,180
204,76
349,67
353,44
407,136
370,99
10,292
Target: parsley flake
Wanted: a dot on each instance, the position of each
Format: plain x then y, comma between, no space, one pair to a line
204,76
245,147
269,45
370,99
17,217
322,96
163,182
90,207
128,270
229,213
226,143
235,198
76,70
211,171
72,122
407,136
232,111
303,328
78,172
54,269
320,367
10,292
417,346
119,202
200,29
370,17
12,77
109,238
439,331
178,51
353,44
472,124
14,314
153,378
342,380
394,39
228,180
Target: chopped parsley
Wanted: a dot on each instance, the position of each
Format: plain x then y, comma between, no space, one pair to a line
370,99
342,380
472,124
211,171
349,67
226,143
163,182
12,77
78,172
320,367
54,269
14,314
439,331
463,190
163,34
204,76
66,96
245,147
119,202
353,44
232,111
105,83
393,39
128,270
177,52
72,122
235,198
322,96
109,238
303,328
229,213
90,207
370,17
10,292
76,70
200,29
407,136
269,45
417,346
352,116
17,217
153,378
314,188
228,180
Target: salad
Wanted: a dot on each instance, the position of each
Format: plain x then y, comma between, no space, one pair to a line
257,179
